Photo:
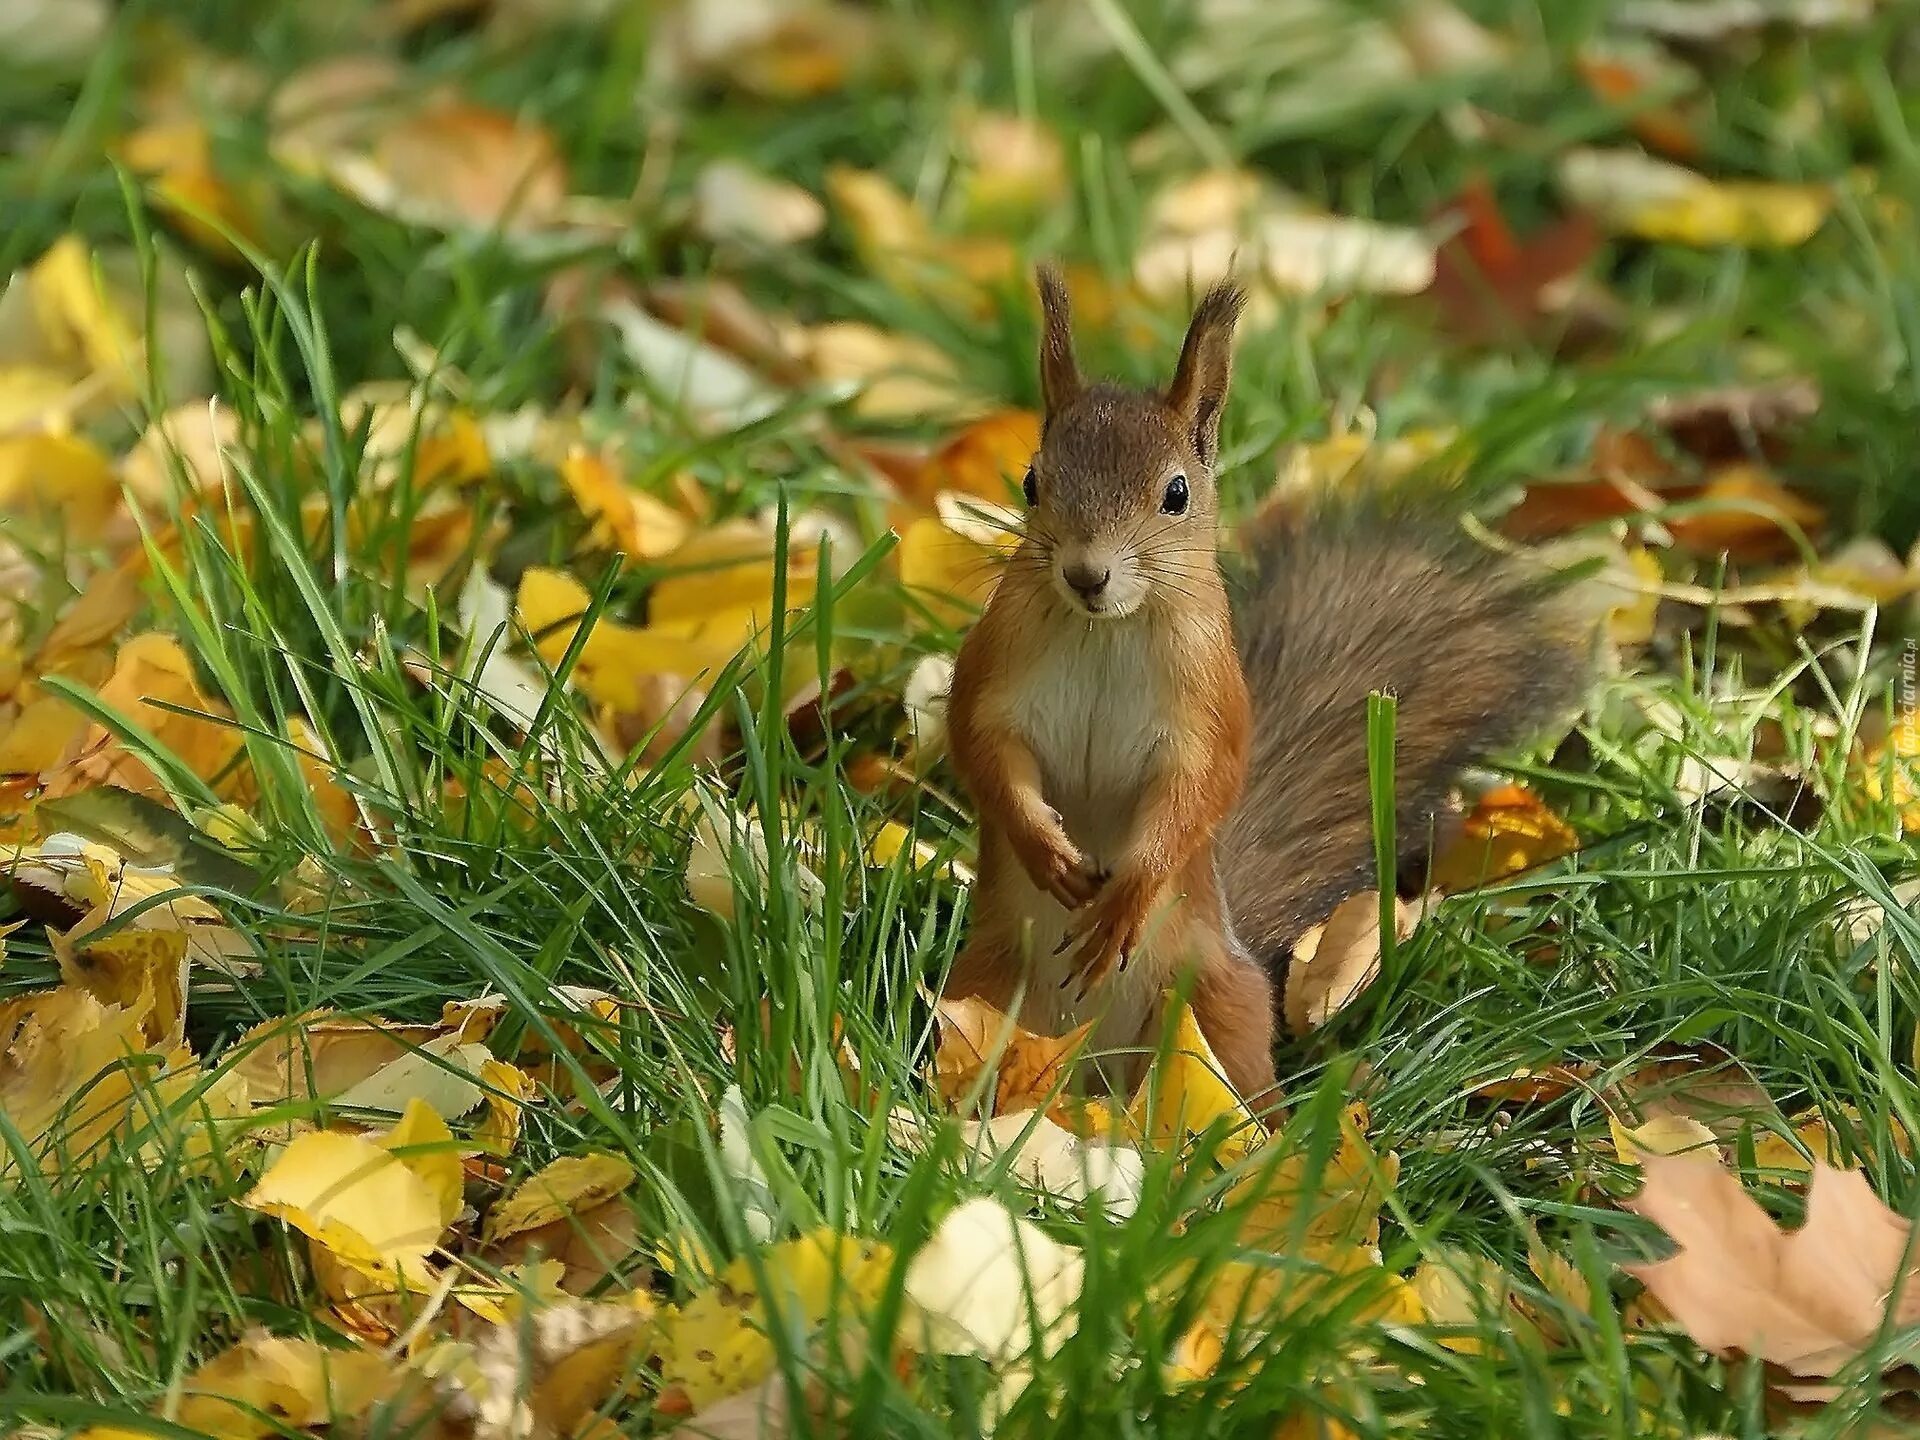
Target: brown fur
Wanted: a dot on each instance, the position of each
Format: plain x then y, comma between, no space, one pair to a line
1356,597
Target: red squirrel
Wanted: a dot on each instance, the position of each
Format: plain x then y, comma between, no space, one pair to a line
1104,712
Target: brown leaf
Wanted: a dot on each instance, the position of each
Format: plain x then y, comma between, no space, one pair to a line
1809,1300
1489,283
1336,960
975,1038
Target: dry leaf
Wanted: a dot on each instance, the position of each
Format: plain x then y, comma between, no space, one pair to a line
266,1385
369,1209
1034,1150
1809,1300
1287,1200
1186,1095
151,675
1656,200
719,1343
891,376
1021,1070
545,1374
733,201
992,1285
628,520
1339,958
1508,832
571,1185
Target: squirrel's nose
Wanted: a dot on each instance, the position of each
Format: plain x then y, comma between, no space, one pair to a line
1086,581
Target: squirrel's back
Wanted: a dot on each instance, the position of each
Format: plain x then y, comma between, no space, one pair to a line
1352,597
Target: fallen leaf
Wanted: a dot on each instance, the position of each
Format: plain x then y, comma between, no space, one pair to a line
139,970
1745,513
367,1208
1042,1154
546,1373
267,1385
1635,194
625,519
571,1185
733,201
1643,82
65,1084
152,684
318,1054
1338,959
891,376
1012,166
720,1342
1185,1096
989,1284
1811,1300
59,480
1508,832
1490,284
981,1050
442,1073
1290,1197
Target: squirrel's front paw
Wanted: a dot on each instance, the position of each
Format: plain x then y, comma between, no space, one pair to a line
1103,946
1055,864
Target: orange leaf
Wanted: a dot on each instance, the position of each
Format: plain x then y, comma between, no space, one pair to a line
1028,1068
1509,831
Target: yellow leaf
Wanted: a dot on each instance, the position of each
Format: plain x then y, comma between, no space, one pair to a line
569,1185
547,1372
1186,1093
79,324
266,1386
509,1089
628,520
1658,200
520,1290
1662,1135
1893,770
1014,165
62,478
894,376
356,1200
952,567
1335,961
1508,832
317,1054
1287,1198
151,676
1464,1291
63,1078
985,460
143,970
422,1142
175,157
39,735
720,1342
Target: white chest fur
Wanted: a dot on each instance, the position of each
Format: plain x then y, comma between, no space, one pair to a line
1094,712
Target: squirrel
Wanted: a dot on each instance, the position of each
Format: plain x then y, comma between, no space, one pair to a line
1171,774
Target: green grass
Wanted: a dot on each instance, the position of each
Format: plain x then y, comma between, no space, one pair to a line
1680,922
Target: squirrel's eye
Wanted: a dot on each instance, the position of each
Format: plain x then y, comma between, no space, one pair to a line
1032,488
1174,502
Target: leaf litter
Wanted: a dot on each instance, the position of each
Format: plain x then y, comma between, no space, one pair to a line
459,1267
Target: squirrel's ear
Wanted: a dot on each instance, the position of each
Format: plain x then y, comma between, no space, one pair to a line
1059,374
1199,388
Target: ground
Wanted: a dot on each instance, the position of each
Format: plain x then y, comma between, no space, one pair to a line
408,618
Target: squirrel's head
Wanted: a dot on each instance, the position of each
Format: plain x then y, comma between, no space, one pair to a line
1121,504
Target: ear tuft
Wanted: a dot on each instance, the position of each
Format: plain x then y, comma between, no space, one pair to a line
1059,372
1199,389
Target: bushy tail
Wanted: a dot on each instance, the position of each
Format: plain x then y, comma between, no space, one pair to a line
1356,597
